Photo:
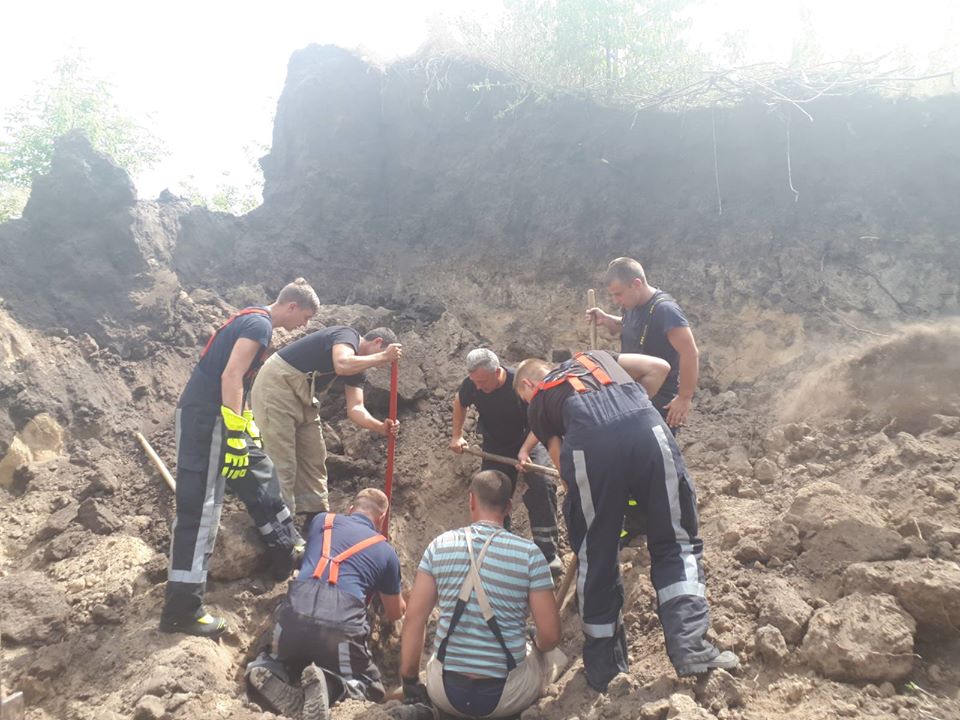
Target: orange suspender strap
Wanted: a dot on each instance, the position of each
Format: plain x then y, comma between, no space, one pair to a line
349,552
595,369
245,311
575,382
327,539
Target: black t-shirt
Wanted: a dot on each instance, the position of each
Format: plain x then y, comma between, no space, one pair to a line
545,413
255,326
313,353
645,329
503,417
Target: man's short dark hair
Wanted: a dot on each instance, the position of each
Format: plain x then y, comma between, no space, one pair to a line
381,333
625,270
492,489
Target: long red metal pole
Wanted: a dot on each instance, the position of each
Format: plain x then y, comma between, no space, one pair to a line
391,445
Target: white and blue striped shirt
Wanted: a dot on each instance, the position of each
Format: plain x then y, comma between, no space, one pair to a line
512,568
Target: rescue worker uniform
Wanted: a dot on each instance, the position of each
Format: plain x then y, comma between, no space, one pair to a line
323,619
202,438
285,402
615,445
503,426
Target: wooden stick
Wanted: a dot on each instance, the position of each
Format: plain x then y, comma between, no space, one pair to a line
158,463
529,467
592,303
568,575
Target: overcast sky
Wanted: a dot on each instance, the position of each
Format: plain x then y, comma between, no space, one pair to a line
208,72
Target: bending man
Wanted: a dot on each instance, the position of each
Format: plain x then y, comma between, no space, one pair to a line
594,415
322,628
284,401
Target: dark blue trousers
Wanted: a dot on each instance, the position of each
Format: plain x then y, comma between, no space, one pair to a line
617,446
201,437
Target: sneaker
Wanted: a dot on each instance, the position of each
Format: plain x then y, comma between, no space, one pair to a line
206,625
316,701
280,697
724,661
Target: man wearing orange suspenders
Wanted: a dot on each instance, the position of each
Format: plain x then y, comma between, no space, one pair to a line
218,445
594,414
322,628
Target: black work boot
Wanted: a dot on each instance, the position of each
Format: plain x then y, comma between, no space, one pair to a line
316,701
205,625
280,696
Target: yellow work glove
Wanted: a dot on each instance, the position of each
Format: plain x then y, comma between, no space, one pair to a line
235,455
252,430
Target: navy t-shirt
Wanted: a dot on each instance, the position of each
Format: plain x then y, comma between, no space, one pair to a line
254,326
314,353
503,415
645,329
373,569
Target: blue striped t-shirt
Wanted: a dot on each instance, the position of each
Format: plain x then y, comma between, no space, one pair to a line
512,568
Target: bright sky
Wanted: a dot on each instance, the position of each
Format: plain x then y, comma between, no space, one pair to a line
209,72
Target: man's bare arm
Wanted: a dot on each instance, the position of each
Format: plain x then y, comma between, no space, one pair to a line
359,415
423,597
347,362
647,370
543,608
457,443
393,606
681,339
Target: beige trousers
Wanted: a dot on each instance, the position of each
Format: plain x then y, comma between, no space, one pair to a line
289,419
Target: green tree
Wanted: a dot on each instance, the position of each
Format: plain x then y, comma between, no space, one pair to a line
622,46
230,196
72,98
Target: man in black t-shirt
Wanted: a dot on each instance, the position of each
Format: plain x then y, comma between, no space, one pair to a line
594,415
218,446
503,424
284,401
653,324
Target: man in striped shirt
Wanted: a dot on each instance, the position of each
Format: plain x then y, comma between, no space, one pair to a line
483,666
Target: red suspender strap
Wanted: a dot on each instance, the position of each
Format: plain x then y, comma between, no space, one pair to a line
334,562
327,539
245,311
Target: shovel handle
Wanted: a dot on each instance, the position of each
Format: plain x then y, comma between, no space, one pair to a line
503,459
391,444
